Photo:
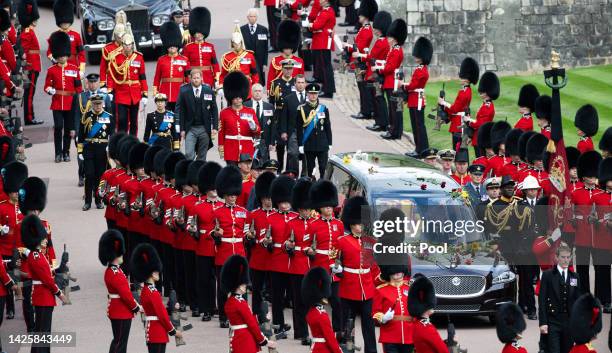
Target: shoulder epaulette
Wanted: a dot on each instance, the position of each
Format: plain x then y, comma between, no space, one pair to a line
382,285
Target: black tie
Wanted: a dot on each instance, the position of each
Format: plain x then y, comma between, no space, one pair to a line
252,29
478,189
564,277
257,110
197,93
301,97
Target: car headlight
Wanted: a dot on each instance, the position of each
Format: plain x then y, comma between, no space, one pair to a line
159,20
106,25
504,277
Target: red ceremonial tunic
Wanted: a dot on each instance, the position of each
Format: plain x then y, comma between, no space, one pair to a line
524,123
573,185
77,54
67,83
279,259
299,263
109,177
496,164
485,114
189,242
120,191
173,206
121,302
202,55
10,216
232,220
246,337
461,179
133,188
170,74
393,61
165,197
243,62
583,348
204,210
323,30
582,199
379,51
276,69
158,325
585,144
511,168
5,280
108,51
31,49
247,186
393,296
323,336
603,235
356,282
235,135
546,131
44,288
514,347
7,53
325,232
458,108
426,338
416,87
149,187
12,35
128,79
260,255
48,252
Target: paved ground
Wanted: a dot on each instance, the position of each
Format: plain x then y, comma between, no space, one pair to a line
80,231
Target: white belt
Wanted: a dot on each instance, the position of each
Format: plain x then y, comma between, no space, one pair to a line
318,340
297,248
151,318
238,327
357,271
238,137
231,240
277,245
420,91
322,252
113,296
36,282
579,217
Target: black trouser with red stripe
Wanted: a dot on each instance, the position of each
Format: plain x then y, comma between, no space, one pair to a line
156,347
44,318
168,268
397,348
28,96
258,279
206,288
121,334
324,71
419,131
63,122
280,281
381,113
396,114
27,308
127,118
179,273
189,264
365,99
300,329
10,298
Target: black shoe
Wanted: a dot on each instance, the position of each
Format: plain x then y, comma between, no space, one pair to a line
195,313
81,182
358,116
206,317
58,158
66,157
10,315
99,205
411,154
224,324
306,341
375,128
86,206
352,31
386,136
327,95
182,308
280,335
34,122
345,24
532,316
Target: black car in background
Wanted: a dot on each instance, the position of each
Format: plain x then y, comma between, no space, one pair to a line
145,17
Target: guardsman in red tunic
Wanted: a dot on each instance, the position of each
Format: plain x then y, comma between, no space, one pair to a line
356,289
373,58
396,37
488,89
146,268
200,53
7,286
288,43
107,184
498,136
121,303
526,102
245,334
572,154
273,13
511,146
7,54
523,166
510,326
27,12
421,303
238,125
34,237
536,155
239,59
149,187
113,48
64,17
127,81
172,68
205,249
468,75
232,224
602,242
62,83
316,291
484,144
587,123
322,28
324,232
586,323
542,112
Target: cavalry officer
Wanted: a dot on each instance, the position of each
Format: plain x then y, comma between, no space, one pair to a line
422,52
510,324
396,36
488,89
147,267
232,224
379,52
34,237
322,28
238,125
113,48
239,59
64,17
200,53
121,303
314,132
602,242
280,89
95,128
172,68
468,75
128,83
245,335
162,127
324,232
62,83
289,34
542,112
421,303
498,133
27,13
587,123
526,102
106,186
316,291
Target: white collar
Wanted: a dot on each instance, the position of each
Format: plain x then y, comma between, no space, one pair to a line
561,269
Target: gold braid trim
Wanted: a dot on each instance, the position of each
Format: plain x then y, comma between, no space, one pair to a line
123,69
87,105
500,219
111,54
233,65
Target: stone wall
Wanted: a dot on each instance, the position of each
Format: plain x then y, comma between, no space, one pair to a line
508,36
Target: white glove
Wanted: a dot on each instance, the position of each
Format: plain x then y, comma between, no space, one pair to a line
330,147
104,90
26,252
51,91
388,316
220,92
301,149
80,156
110,96
5,229
82,75
144,101
337,269
556,234
252,125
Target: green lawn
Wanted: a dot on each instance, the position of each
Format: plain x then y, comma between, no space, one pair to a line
585,85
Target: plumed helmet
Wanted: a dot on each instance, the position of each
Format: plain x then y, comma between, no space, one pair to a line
323,193
586,319
113,144
280,189
13,176
509,322
316,286
398,30
180,174
33,232
199,21
527,96
542,107
382,21
137,155
423,49
170,163
572,155
522,144
149,158
421,296
27,12
588,163
262,185
352,212
158,161
368,9
229,181
235,85
7,150
170,35
469,70
489,84
299,194
32,195
484,135
605,172
207,176
605,144
536,148
498,134
234,273
587,120
145,260
63,11
60,44
110,246
289,34
511,142
193,172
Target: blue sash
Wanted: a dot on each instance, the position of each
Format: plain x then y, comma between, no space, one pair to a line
94,129
163,127
313,123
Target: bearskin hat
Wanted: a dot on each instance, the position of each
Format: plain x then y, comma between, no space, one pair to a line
113,144
13,176
207,176
193,172
229,181
605,144
605,172
125,148
498,134
586,318
5,20
158,161
299,194
64,12
542,107
60,44
587,120
145,260
32,195
382,21
316,286
149,158
386,271
393,238
489,84
469,70
323,193
110,246
536,148
235,85
280,189
137,155
352,212
289,34
572,155
170,35
511,142
522,144
170,164
484,135
368,9
199,21
398,30
234,273
588,163
527,96
27,12
7,150
33,232
262,185
423,49
421,296
180,174
509,322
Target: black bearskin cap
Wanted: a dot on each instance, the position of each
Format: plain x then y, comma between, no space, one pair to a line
33,232
207,176
145,260
149,158
180,174
193,172
421,296
469,70
511,142
368,9
484,135
27,12
170,164
587,120
498,134
509,322
323,193
398,30
159,160
137,155
316,286
522,144
113,144
542,107
536,148
586,319
280,189
63,11
5,20
60,44
605,144
234,273
489,84
588,162
289,34
110,246
199,21
352,212
236,85
170,35
423,49
262,185
7,150
32,195
13,176
382,21
527,96
229,181
605,172
299,194
572,155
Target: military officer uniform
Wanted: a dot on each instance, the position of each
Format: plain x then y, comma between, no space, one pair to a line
162,128
172,69
201,54
280,89
314,133
64,13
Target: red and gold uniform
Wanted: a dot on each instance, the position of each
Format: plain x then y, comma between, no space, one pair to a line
243,62
66,81
583,199
128,80
461,179
325,232
457,110
44,288
356,282
245,334
31,49
108,52
299,263
279,260
393,61
232,220
393,296
12,35
235,135
170,74
379,51
276,69
485,114
496,164
511,168
202,55
585,144
546,131
323,29
121,302
426,338
77,54
323,336
158,325
204,210
525,123
416,87
247,184
11,217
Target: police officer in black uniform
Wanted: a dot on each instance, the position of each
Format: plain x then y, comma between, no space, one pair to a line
314,132
280,89
95,128
161,127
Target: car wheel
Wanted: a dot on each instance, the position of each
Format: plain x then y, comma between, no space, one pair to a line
93,57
